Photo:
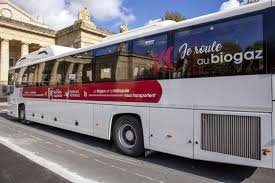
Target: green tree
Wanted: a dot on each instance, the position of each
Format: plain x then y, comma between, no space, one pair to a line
174,15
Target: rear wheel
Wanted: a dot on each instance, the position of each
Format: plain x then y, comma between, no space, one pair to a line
128,136
22,114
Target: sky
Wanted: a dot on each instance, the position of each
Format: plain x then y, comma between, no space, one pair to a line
109,14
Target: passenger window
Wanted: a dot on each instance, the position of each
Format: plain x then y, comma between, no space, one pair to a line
112,63
20,76
234,47
78,69
57,73
29,78
148,57
46,72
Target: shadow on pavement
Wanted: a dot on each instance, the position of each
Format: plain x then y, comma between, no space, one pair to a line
216,171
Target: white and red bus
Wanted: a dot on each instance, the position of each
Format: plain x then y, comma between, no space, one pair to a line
202,88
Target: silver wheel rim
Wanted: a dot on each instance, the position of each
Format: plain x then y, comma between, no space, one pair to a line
127,136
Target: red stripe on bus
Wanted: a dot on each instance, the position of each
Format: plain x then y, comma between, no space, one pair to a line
143,91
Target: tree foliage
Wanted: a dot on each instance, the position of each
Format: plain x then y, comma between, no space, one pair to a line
174,15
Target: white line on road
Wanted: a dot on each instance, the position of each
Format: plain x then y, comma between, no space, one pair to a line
59,146
113,166
100,162
49,143
84,156
146,177
54,167
71,151
37,138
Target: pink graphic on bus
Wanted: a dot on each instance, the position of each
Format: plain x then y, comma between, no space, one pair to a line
158,59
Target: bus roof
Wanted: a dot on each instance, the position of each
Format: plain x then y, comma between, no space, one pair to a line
152,29
43,53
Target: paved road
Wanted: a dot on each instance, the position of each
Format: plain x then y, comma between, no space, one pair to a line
80,158
15,168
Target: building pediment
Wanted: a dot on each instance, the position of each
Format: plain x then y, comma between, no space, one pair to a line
10,10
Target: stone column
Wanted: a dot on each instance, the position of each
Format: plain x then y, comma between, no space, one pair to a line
24,49
4,59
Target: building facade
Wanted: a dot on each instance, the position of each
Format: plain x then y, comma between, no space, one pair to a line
21,33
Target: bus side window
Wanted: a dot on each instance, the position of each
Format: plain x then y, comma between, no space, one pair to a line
146,58
78,69
112,63
29,76
106,60
20,76
41,68
57,73
221,49
46,72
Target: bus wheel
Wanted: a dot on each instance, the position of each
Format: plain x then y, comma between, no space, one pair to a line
22,114
128,136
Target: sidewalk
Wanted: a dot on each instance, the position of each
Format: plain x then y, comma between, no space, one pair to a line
15,168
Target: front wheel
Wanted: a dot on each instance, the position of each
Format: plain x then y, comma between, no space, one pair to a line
22,115
128,136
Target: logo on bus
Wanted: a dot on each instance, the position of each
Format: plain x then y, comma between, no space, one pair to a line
216,54
164,60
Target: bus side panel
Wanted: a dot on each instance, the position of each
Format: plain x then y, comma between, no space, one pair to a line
273,118
103,115
273,134
172,131
233,137
39,111
77,117
12,106
231,93
13,103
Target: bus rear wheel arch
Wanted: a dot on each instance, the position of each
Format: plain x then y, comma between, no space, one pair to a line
127,135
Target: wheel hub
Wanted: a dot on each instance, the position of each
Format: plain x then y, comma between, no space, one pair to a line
129,135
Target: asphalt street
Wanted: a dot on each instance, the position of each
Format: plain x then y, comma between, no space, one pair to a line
81,158
15,168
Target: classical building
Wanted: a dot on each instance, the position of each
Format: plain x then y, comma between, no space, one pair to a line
22,33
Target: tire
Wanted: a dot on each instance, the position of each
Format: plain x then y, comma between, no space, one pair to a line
128,136
22,115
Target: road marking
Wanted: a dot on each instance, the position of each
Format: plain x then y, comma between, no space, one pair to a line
37,138
33,136
71,151
53,166
59,146
113,166
49,143
100,162
10,128
84,156
146,177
